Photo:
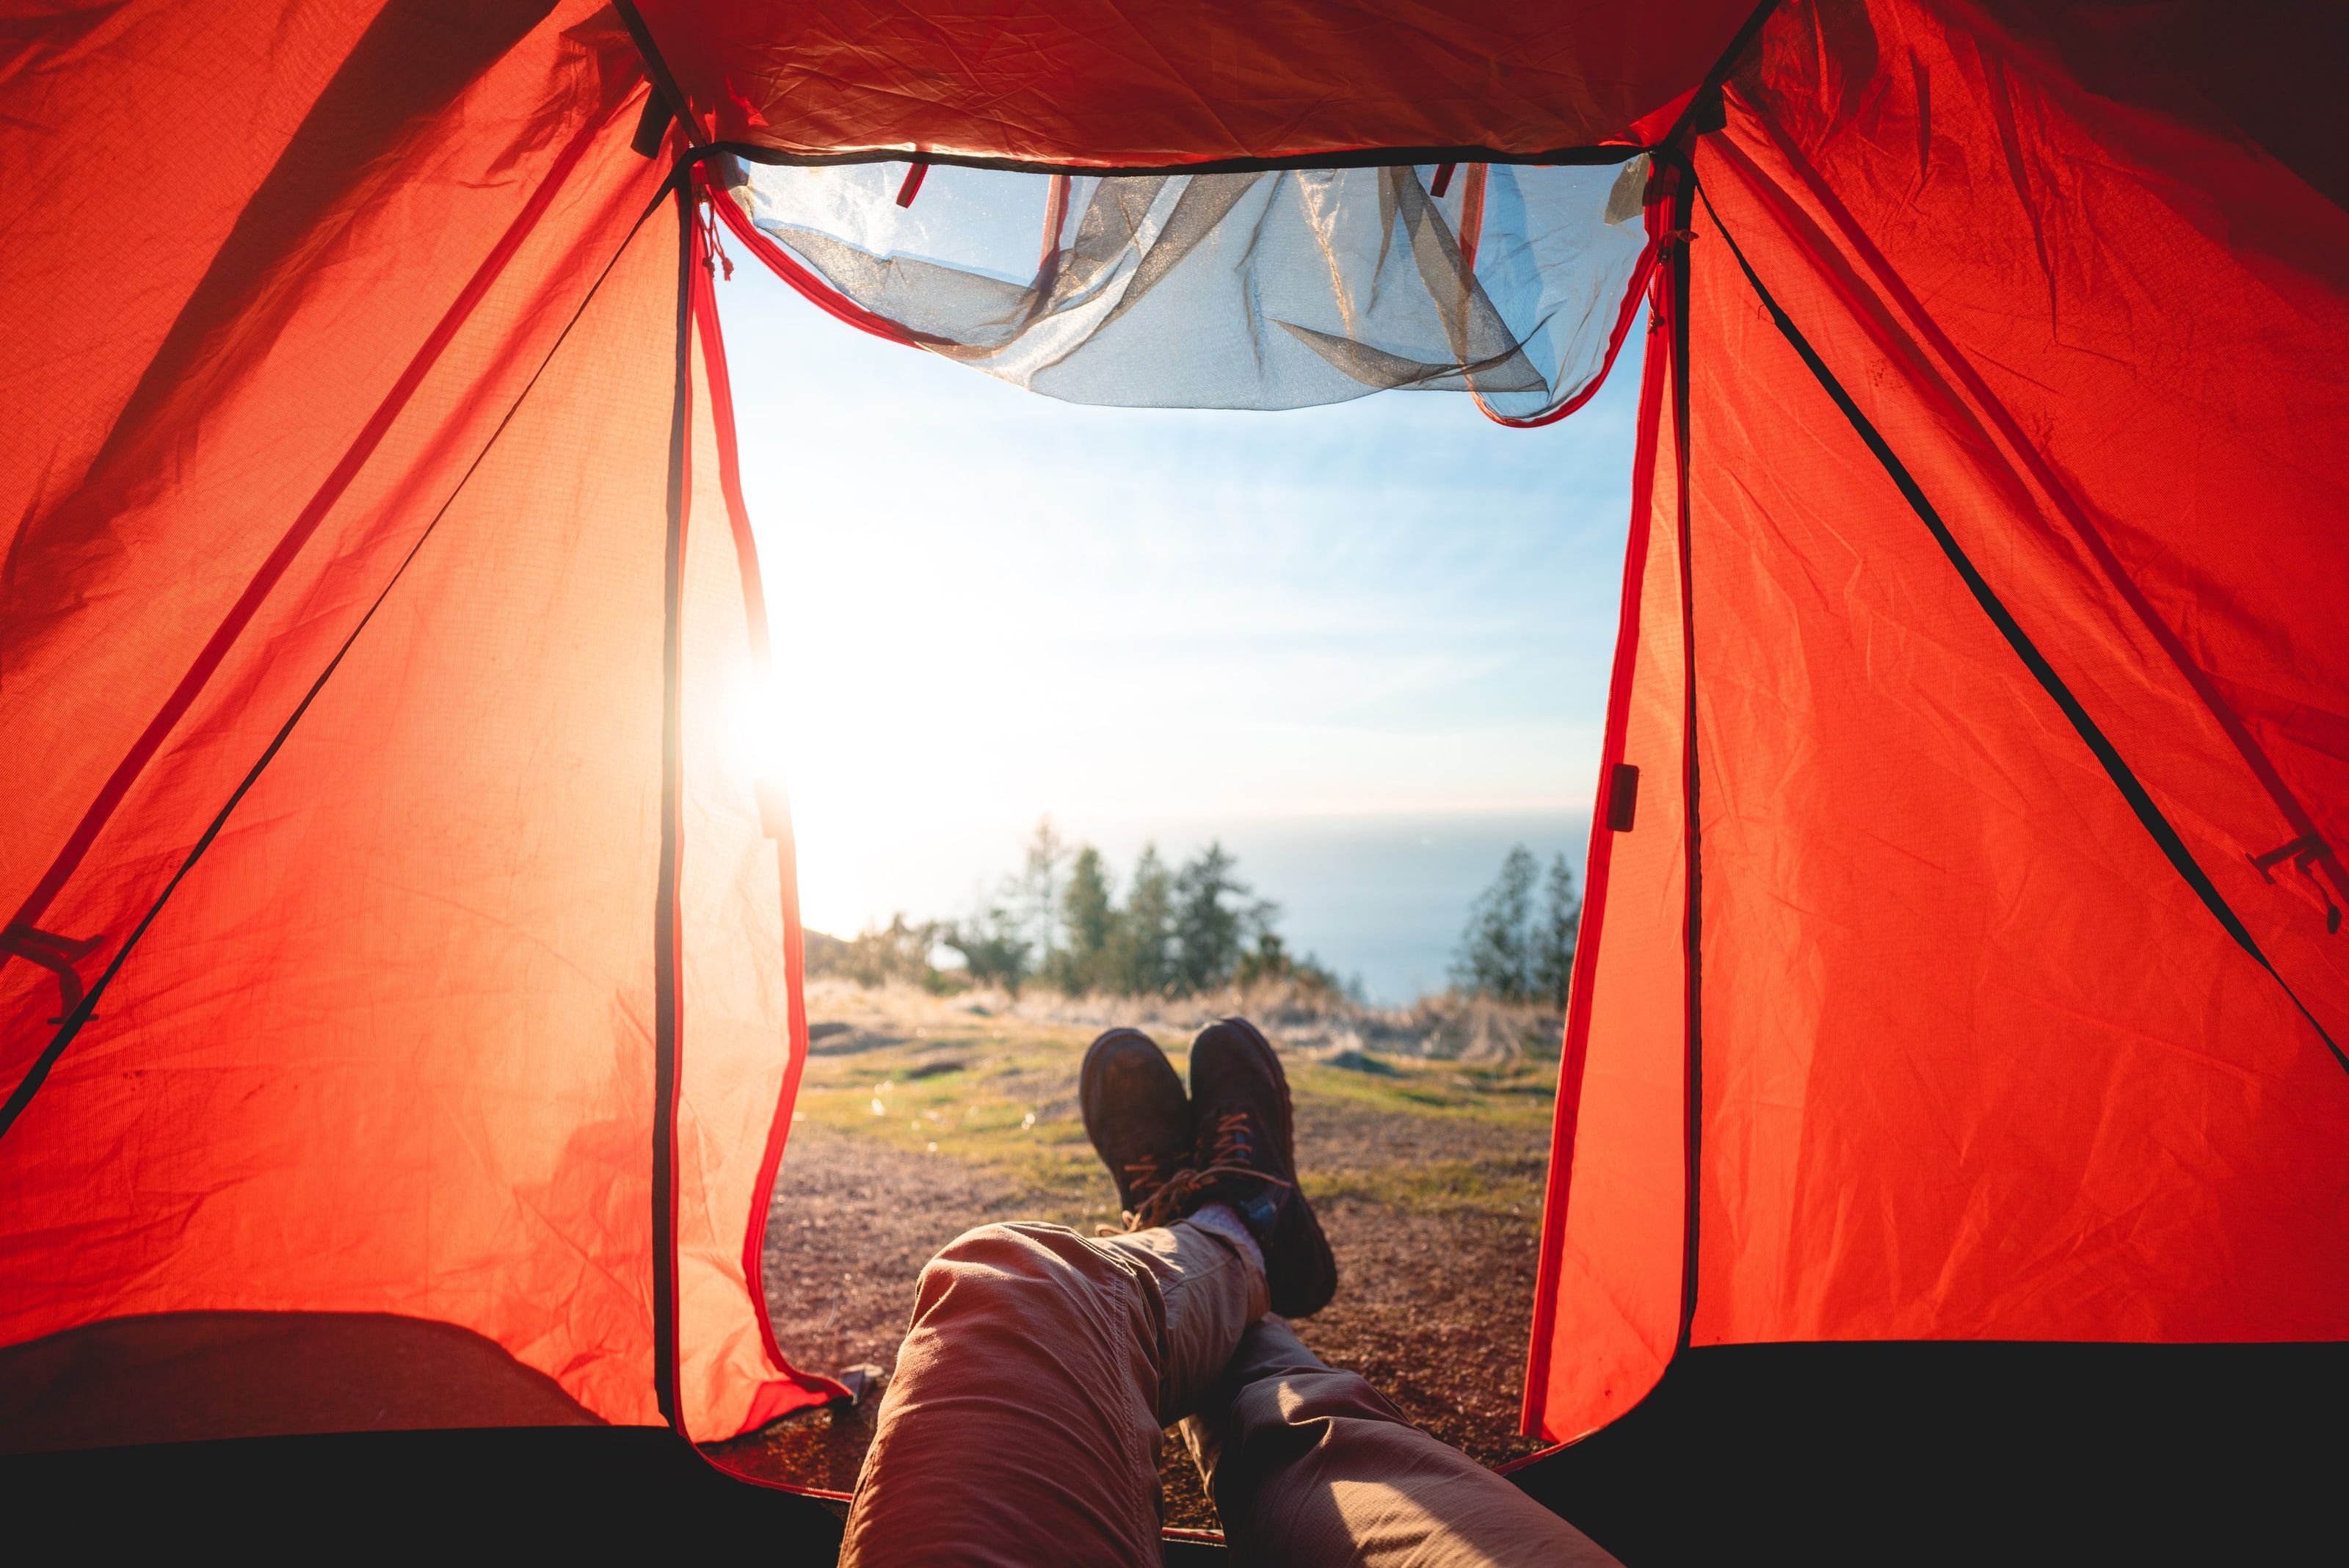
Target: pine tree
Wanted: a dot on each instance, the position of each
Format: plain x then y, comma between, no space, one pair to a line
1088,916
1035,894
1496,957
1554,934
1207,931
1140,960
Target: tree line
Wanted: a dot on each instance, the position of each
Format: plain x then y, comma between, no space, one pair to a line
1062,920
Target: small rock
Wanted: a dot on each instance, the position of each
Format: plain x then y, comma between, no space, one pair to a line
861,1381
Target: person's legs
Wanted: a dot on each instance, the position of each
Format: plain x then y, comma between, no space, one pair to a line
1022,1424
1309,1467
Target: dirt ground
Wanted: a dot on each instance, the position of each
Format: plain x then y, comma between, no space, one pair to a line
919,1119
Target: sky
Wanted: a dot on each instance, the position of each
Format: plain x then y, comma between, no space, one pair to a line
989,606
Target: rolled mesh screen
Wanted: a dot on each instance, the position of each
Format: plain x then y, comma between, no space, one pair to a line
1273,290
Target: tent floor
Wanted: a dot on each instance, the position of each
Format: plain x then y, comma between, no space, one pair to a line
1902,1453
1969,1452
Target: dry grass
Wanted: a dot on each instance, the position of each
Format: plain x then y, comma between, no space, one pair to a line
1436,1028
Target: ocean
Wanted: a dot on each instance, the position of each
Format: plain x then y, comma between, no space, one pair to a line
1384,899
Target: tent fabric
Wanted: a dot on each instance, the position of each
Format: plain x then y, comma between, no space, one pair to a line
384,409
400,922
1976,1061
1233,290
1093,84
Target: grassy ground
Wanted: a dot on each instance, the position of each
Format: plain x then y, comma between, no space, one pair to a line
920,1117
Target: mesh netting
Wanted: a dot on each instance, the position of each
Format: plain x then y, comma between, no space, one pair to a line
1271,290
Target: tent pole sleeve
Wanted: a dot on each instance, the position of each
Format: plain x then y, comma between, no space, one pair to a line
2150,815
668,998
1693,1078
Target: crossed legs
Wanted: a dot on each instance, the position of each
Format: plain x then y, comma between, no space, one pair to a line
1024,1422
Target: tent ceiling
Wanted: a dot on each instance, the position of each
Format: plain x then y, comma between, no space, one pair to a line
1097,84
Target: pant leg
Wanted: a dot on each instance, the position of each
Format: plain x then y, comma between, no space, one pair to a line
1310,1467
1023,1421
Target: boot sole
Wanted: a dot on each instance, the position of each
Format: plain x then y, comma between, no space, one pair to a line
1298,1233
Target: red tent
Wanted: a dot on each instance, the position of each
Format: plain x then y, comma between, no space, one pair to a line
394,931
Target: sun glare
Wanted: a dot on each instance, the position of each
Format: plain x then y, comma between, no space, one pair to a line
989,606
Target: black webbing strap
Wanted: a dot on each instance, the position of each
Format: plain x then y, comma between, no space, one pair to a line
666,92
2140,801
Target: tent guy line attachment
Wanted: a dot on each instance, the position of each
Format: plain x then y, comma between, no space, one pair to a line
2304,853
56,954
2150,815
86,1005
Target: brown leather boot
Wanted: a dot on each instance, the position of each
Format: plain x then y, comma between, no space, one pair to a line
1245,1157
1136,1115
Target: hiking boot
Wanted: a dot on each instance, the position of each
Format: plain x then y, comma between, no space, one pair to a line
1245,1155
1136,1115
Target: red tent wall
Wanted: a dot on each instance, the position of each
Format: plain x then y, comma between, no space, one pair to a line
401,352
1975,1060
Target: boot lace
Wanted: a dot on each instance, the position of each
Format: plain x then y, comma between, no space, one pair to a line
1145,1176
1184,1192
1145,1179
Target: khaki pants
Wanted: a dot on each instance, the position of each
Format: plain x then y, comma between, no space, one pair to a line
1023,1424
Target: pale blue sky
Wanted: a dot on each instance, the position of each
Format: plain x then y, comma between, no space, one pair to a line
989,606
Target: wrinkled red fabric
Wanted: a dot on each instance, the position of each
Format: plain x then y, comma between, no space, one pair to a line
1975,1060
374,382
1097,84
